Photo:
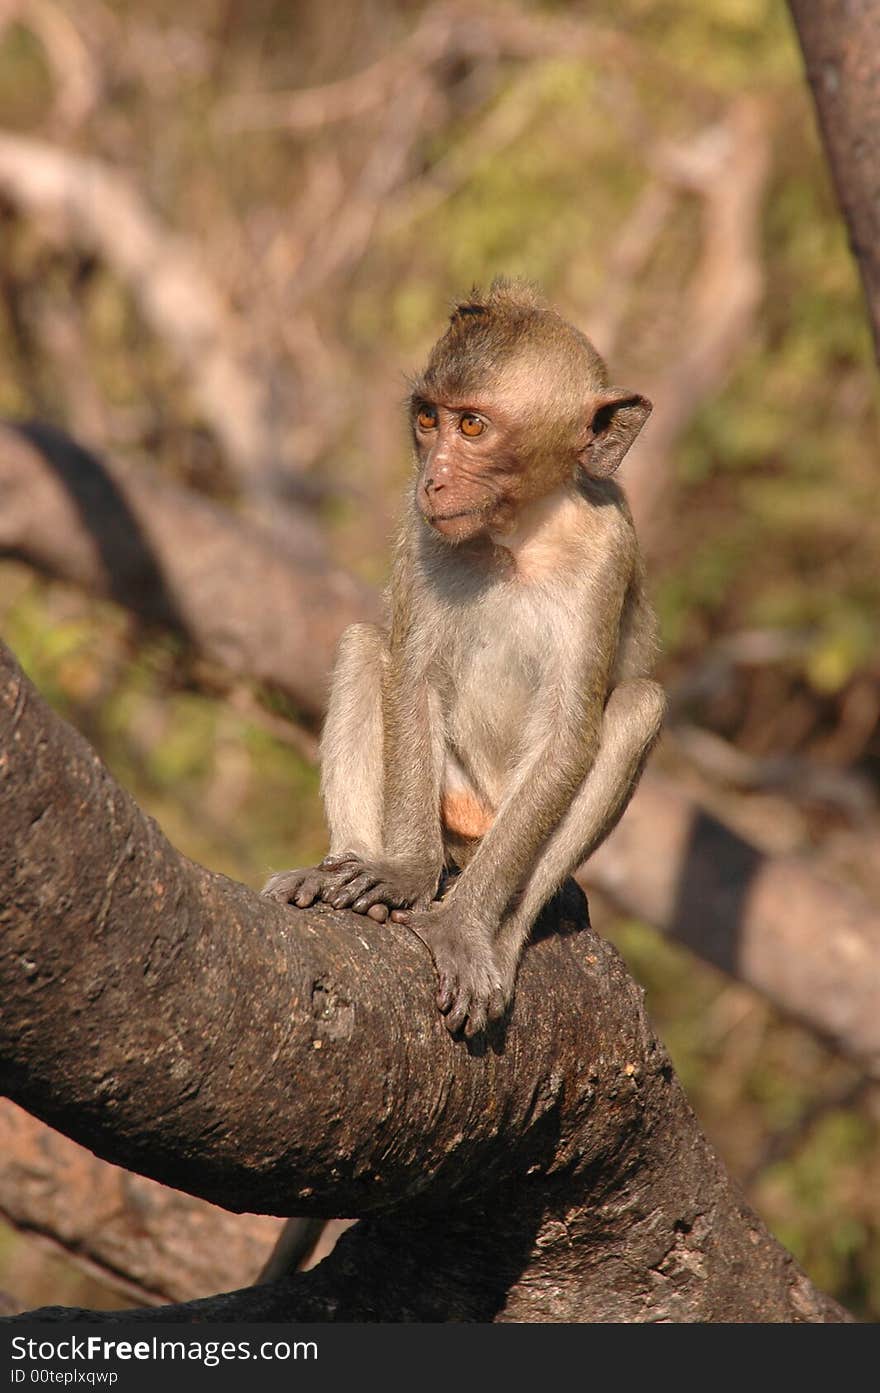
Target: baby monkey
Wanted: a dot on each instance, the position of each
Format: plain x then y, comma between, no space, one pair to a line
500,724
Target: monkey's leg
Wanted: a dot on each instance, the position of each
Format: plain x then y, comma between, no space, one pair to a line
351,775
630,726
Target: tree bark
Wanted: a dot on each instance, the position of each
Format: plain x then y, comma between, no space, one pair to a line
840,40
293,1061
179,560
152,1243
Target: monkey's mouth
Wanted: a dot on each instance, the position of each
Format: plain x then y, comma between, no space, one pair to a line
437,519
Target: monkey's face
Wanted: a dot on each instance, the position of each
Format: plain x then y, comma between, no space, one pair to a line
471,476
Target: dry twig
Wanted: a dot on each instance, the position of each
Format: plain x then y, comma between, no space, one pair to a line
727,167
96,206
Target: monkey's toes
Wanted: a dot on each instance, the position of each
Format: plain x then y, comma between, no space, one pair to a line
499,1000
469,1011
470,991
381,894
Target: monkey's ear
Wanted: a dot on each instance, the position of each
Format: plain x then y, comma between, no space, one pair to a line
617,418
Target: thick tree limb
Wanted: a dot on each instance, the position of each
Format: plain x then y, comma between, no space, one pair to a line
175,559
270,1060
840,40
178,559
809,945
155,1244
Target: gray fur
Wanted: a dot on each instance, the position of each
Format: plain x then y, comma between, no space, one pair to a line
511,692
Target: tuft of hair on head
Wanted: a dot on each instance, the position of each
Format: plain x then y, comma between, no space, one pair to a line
466,310
515,294
463,311
507,297
490,330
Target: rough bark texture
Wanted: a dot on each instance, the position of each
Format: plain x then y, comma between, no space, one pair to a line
153,1243
841,46
277,1061
177,559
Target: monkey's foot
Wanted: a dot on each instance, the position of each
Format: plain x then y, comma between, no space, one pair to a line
471,991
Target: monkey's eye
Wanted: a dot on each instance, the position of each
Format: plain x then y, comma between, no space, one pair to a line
471,425
427,418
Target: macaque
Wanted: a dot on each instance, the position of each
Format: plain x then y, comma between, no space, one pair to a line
484,744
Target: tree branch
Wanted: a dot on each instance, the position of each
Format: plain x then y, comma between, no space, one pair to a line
840,40
808,944
152,1243
175,558
727,166
99,209
269,1060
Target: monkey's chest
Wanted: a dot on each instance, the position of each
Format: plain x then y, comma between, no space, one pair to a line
489,695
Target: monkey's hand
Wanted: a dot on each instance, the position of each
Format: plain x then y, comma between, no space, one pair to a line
471,991
347,881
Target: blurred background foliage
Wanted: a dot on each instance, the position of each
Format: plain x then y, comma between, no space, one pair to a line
536,140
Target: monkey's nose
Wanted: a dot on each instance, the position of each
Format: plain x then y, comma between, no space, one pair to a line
434,485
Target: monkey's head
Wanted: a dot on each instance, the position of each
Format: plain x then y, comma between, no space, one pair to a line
514,401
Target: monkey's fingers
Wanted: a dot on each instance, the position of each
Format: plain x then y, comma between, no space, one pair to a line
379,912
474,1008
308,892
285,885
477,1016
350,890
401,916
382,892
447,990
444,961
469,981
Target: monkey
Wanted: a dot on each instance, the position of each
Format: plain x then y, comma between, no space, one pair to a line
483,743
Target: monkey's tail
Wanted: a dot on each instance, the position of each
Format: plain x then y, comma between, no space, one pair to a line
297,1239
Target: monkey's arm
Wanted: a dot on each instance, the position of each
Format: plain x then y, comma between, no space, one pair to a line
379,753
565,744
630,726
476,966
401,866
